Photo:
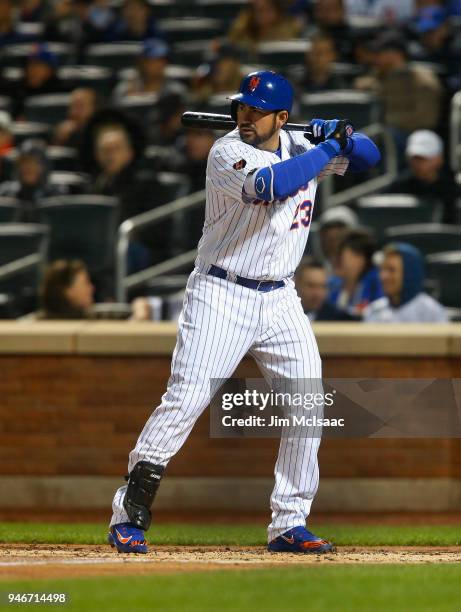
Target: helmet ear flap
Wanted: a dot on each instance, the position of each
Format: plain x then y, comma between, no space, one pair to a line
234,106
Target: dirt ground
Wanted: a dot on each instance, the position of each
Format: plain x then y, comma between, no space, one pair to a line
43,561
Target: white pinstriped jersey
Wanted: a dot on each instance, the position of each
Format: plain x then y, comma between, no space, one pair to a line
256,239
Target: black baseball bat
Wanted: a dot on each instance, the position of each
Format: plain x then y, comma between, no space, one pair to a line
213,121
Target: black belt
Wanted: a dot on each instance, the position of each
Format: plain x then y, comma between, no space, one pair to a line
251,283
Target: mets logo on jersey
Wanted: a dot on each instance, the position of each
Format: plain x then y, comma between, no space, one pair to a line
240,165
253,84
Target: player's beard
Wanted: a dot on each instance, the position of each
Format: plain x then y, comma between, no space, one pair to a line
255,139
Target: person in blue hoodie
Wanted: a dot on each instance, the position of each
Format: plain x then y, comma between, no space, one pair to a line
357,282
402,276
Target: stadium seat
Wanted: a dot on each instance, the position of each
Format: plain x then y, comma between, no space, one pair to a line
5,104
427,237
379,212
139,106
99,78
191,53
182,74
81,227
172,185
360,107
112,55
190,28
74,182
24,130
445,270
63,159
18,241
226,10
8,209
218,103
282,54
30,29
16,55
49,108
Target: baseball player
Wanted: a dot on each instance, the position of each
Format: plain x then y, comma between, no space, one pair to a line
260,190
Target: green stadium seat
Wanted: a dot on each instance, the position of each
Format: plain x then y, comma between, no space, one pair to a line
139,106
49,108
171,186
427,237
81,227
8,209
190,28
226,10
25,130
16,55
282,54
360,107
99,78
191,53
445,270
63,159
114,56
379,212
18,241
72,182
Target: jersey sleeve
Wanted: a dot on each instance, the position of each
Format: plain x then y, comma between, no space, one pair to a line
228,166
338,165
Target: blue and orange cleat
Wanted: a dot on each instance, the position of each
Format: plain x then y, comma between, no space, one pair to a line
300,540
127,538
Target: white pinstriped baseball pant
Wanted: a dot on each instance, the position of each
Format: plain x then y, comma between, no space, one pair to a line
220,323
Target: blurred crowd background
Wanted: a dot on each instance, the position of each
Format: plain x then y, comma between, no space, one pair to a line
91,98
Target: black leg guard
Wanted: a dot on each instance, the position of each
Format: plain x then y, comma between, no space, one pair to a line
143,482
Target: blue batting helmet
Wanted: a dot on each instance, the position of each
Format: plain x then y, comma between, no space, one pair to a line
264,89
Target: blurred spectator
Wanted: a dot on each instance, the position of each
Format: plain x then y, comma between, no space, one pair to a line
357,282
404,301
81,22
150,74
334,223
164,124
439,42
221,75
195,148
329,16
318,73
427,176
31,184
9,34
40,76
412,96
387,12
263,21
32,10
311,282
83,105
118,172
6,142
66,292
136,22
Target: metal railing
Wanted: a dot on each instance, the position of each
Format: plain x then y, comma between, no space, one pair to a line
125,282
351,194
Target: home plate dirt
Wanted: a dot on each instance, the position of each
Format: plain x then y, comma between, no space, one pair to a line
46,561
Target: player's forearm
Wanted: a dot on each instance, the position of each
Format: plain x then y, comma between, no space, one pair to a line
361,152
287,177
